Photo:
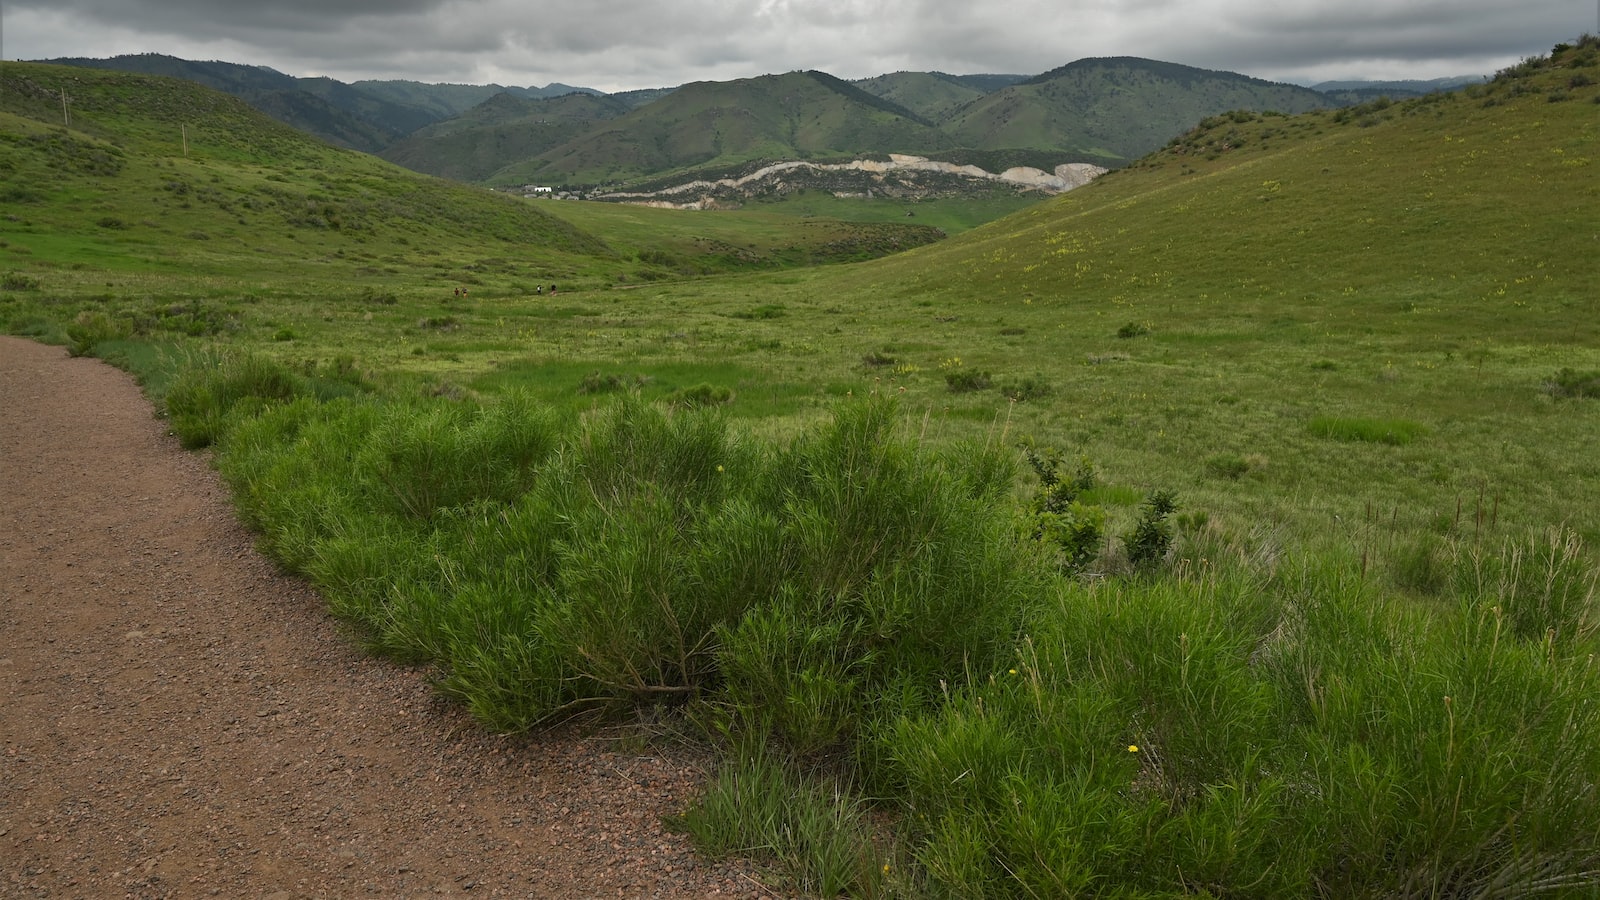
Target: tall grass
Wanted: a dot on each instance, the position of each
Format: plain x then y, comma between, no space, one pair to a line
639,555
856,601
1300,737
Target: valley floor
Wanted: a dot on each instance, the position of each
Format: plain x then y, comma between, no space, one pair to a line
181,720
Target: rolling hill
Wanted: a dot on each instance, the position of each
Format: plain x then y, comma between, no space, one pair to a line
709,125
366,115
1103,110
476,144
168,173
931,95
1119,108
176,181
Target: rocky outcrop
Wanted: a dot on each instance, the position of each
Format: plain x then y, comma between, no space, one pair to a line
897,176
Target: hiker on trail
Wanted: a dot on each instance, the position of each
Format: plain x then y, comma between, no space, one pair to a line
539,289
458,292
552,289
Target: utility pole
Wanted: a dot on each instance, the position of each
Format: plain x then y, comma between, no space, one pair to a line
66,111
184,130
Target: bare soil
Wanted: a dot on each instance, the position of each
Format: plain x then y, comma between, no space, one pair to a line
180,719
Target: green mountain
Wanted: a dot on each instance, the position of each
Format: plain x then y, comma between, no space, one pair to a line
334,111
1106,111
444,101
722,125
477,144
931,95
366,116
1118,108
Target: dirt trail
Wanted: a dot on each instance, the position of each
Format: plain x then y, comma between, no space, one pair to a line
178,719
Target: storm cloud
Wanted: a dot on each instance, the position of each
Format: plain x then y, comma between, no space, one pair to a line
624,44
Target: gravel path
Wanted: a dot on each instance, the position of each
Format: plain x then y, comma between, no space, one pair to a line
178,719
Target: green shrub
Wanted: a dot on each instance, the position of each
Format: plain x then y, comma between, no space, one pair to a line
961,381
17,281
1025,388
1223,737
209,389
90,328
1147,544
1572,383
700,395
443,456
1133,330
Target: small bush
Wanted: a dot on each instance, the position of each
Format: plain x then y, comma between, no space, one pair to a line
1151,537
1133,330
1025,388
1228,466
91,328
207,391
17,281
700,395
112,222
877,360
1572,383
1073,530
962,381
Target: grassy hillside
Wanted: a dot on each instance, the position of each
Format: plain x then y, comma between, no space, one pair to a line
475,145
1118,107
170,176
1199,313
445,101
184,194
800,115
336,112
931,95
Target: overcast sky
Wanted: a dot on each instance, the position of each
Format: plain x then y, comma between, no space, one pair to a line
614,45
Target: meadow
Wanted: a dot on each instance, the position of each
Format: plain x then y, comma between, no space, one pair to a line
1224,527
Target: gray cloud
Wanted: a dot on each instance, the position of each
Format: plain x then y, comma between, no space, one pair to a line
623,44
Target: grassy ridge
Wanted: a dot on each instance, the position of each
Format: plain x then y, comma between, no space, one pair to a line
1362,667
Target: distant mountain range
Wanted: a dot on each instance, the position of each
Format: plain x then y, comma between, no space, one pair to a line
1103,111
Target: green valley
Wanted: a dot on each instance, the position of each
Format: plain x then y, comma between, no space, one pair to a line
1224,527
